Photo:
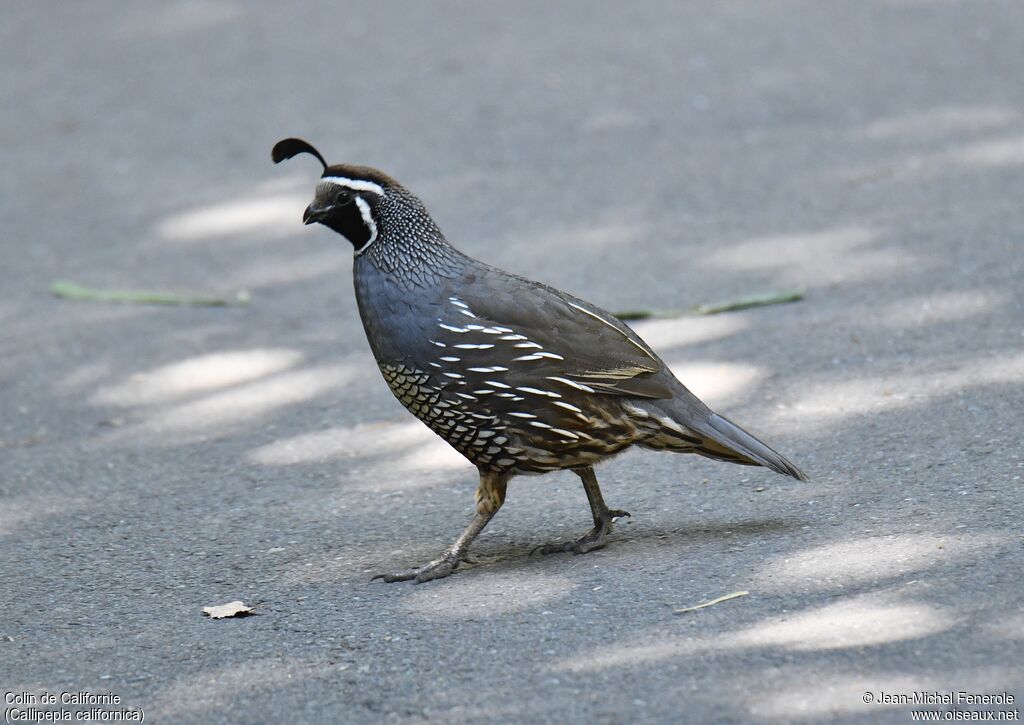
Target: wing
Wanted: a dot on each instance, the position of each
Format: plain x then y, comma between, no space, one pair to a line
543,333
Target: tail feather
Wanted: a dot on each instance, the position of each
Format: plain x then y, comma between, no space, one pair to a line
686,424
726,433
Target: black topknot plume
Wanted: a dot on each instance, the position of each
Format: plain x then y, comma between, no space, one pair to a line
286,148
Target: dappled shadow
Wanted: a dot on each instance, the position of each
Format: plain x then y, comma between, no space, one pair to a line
858,622
943,121
315,484
845,565
830,403
253,219
492,595
299,478
630,543
996,153
220,370
816,259
156,461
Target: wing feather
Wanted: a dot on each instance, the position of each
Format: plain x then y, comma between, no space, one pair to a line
588,345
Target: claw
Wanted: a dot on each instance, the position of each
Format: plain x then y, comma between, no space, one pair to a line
434,570
596,538
590,542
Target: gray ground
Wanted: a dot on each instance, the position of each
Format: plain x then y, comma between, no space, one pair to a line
157,460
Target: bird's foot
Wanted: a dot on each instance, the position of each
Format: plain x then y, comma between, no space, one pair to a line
596,538
436,569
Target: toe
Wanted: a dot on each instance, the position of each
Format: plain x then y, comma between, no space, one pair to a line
432,570
559,548
583,545
435,571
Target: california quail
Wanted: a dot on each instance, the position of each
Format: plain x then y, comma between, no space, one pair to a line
517,376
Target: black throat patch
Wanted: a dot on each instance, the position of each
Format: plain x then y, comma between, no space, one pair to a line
347,220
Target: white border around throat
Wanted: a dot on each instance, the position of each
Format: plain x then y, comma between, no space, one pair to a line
364,209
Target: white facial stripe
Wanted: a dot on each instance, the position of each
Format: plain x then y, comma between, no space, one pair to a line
364,209
354,184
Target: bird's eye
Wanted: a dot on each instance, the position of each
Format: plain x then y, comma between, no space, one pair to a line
342,197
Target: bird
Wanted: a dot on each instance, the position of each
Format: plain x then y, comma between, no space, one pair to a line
517,376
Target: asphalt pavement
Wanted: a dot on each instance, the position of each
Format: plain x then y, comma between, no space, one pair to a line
157,460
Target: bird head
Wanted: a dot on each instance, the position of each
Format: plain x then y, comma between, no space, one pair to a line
348,198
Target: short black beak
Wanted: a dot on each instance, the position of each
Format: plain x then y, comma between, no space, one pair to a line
315,213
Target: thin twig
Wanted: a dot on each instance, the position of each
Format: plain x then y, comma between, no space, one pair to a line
719,600
714,308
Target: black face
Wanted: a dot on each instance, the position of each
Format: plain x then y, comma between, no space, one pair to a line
336,208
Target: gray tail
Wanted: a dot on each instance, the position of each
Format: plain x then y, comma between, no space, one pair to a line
735,440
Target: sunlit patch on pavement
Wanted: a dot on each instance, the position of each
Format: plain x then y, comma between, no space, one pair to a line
869,559
198,374
862,621
487,595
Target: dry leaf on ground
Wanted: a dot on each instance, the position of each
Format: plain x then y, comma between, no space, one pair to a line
231,609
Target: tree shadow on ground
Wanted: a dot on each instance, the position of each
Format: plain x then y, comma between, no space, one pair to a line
157,461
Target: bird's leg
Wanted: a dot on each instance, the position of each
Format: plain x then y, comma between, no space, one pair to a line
490,495
603,517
